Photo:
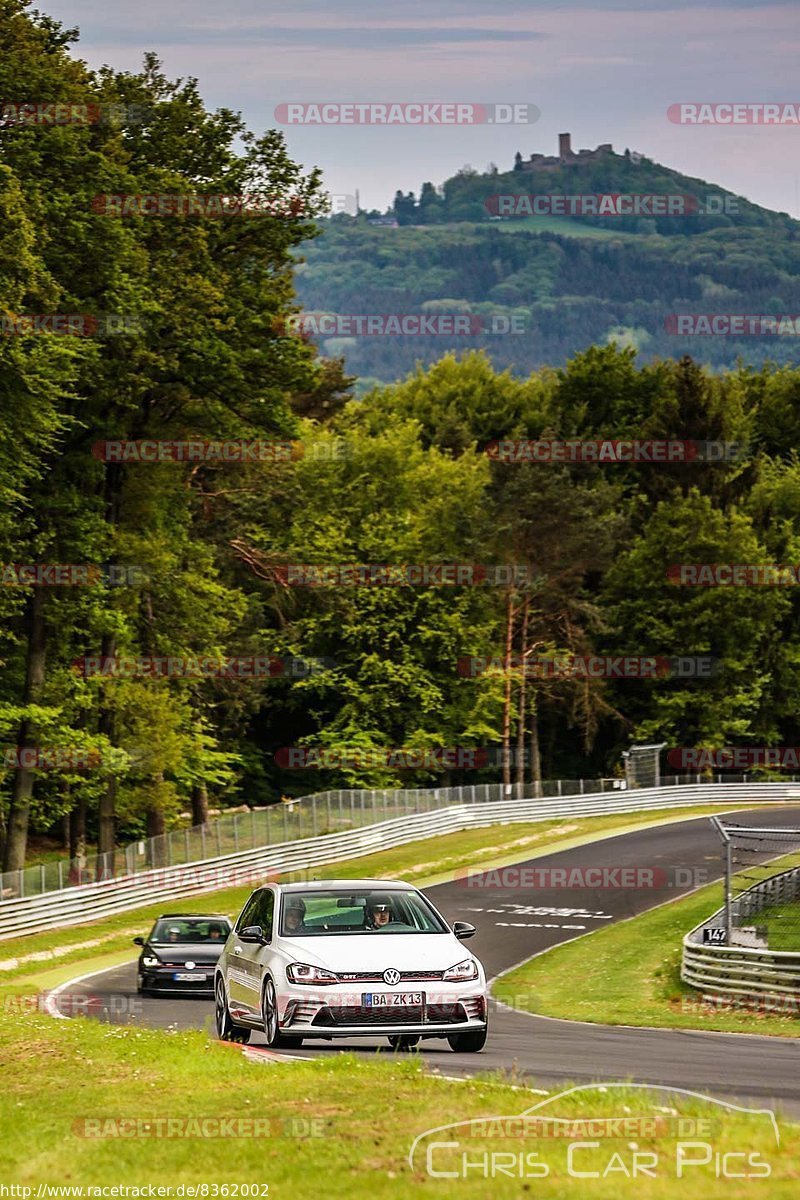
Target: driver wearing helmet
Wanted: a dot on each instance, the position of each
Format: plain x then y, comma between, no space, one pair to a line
294,915
379,912
173,934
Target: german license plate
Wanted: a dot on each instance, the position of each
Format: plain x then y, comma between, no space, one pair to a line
393,999
190,977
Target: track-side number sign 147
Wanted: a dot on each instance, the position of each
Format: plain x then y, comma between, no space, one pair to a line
715,935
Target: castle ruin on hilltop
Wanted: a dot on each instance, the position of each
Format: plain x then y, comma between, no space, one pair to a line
566,155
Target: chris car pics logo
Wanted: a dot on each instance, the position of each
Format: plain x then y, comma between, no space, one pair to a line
611,1132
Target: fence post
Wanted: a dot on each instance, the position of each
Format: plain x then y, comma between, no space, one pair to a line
285,808
60,875
314,814
236,831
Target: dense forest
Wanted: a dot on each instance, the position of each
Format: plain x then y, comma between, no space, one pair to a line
109,557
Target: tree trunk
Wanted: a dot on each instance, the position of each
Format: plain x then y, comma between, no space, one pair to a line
156,829
106,810
63,826
107,806
22,785
522,697
199,804
535,754
506,747
77,840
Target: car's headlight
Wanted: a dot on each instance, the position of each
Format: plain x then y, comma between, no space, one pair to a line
150,961
468,969
305,973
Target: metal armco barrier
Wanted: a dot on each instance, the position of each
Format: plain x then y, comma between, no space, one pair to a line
745,972
88,902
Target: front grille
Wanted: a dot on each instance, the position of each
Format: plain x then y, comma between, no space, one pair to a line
166,981
199,964
439,1014
446,1014
377,976
357,1014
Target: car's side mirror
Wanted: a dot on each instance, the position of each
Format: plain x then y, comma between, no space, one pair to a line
253,933
463,930
138,941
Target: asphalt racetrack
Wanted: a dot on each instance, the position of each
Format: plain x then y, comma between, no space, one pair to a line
517,921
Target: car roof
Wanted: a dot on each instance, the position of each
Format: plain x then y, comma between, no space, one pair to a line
327,885
193,917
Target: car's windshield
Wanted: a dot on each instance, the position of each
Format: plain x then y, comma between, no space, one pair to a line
190,930
316,913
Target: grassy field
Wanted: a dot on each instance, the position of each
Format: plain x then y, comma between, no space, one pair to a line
630,975
422,862
562,225
85,1105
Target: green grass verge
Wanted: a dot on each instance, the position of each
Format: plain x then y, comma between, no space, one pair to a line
424,863
782,922
630,975
340,1128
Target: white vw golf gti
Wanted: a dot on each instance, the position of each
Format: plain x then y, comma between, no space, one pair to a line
356,958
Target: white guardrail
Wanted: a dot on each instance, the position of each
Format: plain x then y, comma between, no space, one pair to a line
87,902
746,972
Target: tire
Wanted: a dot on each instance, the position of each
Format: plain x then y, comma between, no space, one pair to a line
269,1015
226,1030
468,1043
404,1041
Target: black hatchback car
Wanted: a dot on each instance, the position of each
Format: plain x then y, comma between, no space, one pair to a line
180,953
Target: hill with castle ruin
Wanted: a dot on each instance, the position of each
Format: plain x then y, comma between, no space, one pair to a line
556,254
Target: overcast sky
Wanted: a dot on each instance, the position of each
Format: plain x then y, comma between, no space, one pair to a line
607,72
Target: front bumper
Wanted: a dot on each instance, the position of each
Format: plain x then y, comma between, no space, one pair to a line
164,981
335,1012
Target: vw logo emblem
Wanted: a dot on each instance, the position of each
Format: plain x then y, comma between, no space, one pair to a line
189,966
391,976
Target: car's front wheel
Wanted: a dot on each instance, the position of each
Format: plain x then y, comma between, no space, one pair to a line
227,1031
403,1041
269,1013
468,1043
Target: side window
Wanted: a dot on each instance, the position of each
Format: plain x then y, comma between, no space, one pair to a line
248,916
265,912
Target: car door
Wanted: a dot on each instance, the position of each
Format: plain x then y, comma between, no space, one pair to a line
237,978
249,956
